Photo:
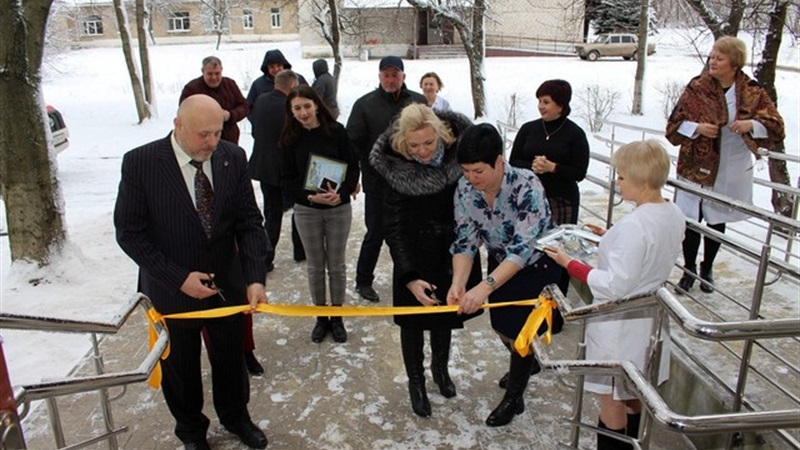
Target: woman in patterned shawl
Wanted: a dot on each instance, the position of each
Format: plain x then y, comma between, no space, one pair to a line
720,121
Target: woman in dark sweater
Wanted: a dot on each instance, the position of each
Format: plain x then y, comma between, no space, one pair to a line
416,157
555,148
320,170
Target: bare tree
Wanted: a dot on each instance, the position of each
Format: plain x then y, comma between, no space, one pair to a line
641,57
326,14
142,109
765,74
29,186
142,25
719,25
468,19
216,17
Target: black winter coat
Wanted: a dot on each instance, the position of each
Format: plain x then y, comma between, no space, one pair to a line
419,223
369,118
267,116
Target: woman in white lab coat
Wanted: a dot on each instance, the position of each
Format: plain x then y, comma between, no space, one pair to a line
635,257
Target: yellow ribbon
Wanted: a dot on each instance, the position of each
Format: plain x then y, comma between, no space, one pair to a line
543,311
153,317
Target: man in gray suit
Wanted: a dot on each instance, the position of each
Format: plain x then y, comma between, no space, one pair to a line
194,258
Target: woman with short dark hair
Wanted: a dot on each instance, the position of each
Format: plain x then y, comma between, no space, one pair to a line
505,209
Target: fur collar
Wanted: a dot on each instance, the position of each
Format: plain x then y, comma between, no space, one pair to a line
409,177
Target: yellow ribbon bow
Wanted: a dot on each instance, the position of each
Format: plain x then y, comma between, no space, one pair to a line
543,311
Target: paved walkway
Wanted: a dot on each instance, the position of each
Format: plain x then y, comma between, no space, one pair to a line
341,396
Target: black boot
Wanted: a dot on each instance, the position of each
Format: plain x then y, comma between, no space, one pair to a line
337,330
320,329
707,278
513,403
609,443
632,428
411,342
687,280
440,357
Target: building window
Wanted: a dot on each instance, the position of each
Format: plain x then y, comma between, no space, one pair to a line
178,21
247,19
93,26
275,17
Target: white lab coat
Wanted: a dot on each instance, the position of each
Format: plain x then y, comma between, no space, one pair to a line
735,174
635,256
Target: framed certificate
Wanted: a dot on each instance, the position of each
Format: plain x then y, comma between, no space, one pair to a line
323,172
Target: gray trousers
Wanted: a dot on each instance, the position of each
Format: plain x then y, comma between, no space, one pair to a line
324,233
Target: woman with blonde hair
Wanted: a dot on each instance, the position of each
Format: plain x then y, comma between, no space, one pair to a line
416,157
720,121
635,257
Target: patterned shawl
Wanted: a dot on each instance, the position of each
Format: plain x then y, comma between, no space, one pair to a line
703,101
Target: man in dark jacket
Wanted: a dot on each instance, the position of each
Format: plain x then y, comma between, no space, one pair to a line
225,91
274,62
268,116
325,85
371,115
185,213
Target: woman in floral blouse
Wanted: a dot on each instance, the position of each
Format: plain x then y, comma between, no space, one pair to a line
506,210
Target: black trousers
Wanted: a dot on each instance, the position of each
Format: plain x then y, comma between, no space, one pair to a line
273,219
373,239
182,382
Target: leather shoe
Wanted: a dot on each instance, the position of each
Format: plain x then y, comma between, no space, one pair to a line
368,293
337,329
249,434
253,366
197,445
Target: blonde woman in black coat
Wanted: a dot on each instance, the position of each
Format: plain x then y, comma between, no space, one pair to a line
416,157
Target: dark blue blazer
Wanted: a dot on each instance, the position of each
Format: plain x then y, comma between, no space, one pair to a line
158,227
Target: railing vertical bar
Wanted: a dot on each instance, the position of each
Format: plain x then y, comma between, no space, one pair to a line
55,422
105,406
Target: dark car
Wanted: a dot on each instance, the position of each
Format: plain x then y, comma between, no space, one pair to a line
59,129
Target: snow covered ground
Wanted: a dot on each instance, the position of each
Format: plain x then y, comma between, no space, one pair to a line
90,87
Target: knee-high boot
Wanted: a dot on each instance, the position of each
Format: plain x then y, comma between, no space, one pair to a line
440,358
632,428
513,402
609,443
411,342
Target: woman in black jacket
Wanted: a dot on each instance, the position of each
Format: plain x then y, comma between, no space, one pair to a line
320,170
416,157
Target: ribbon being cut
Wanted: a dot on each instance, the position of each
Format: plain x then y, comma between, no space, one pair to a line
542,312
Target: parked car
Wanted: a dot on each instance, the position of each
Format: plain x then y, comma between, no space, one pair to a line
59,129
612,44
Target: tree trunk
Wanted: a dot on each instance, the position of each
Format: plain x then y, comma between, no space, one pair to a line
765,74
476,54
641,58
717,25
136,84
29,186
335,43
144,56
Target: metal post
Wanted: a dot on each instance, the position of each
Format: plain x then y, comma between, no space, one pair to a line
105,404
747,351
55,422
577,407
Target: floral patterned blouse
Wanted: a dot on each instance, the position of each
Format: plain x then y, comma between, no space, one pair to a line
510,229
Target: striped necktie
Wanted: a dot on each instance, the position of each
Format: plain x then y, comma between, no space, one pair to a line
204,197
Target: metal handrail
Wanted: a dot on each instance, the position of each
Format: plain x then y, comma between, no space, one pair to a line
49,390
644,389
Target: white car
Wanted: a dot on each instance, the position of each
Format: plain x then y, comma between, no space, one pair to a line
59,129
